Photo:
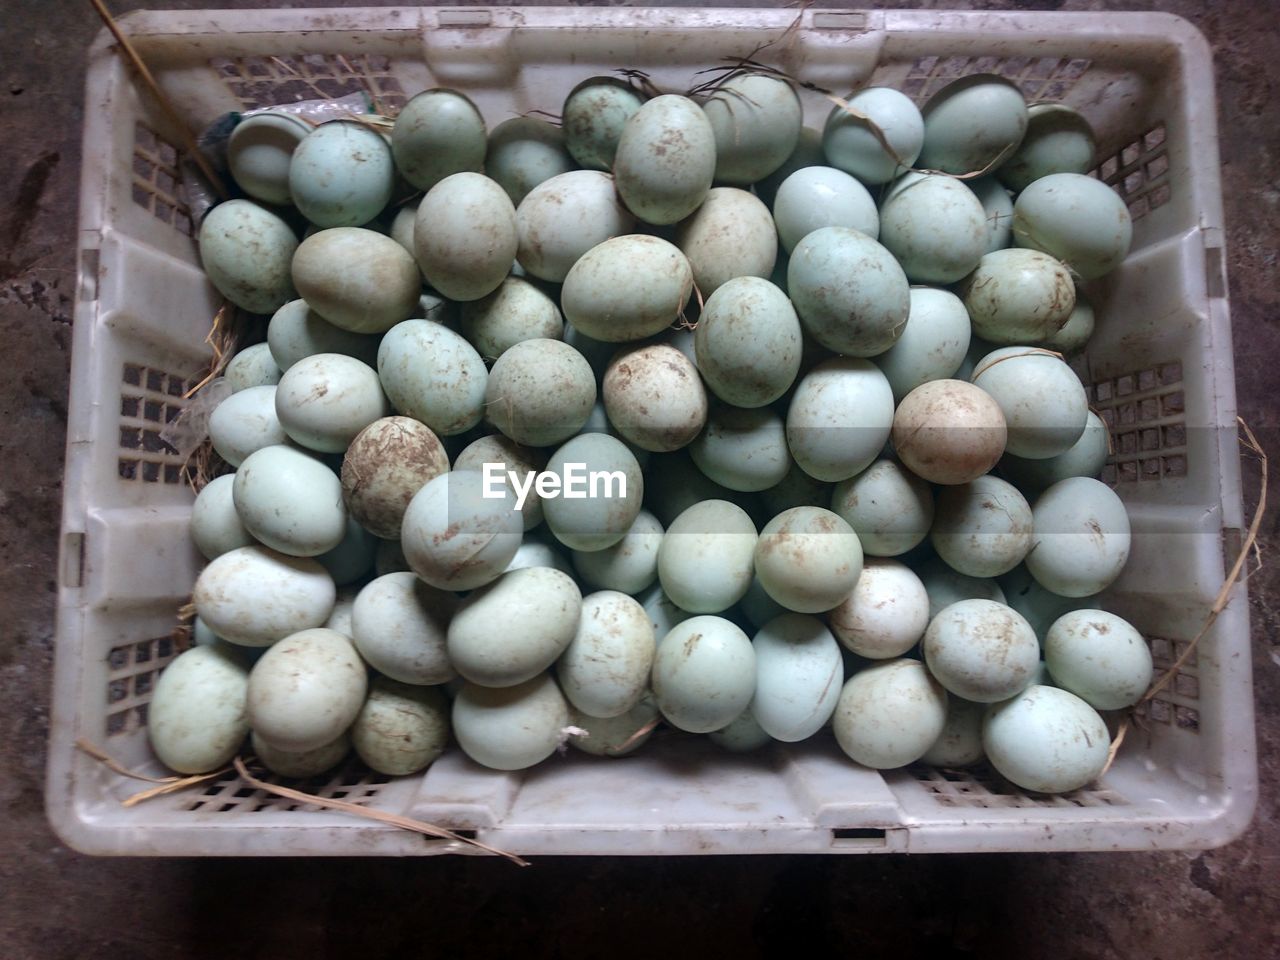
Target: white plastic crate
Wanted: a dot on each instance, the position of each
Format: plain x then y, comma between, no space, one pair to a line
1159,368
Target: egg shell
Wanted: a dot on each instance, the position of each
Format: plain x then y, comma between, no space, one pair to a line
540,392
539,553
357,279
849,292
982,528
756,120
197,718
807,153
972,124
674,483
730,235
1018,296
524,152
246,251
290,501
742,450
888,507
630,566
663,614
254,596
981,650
817,197
259,152
747,342
946,586
799,674
1085,458
705,559
386,464
933,344
998,207
850,145
1046,739
352,559
202,636
562,218
1058,140
343,606
1100,657
608,473
1075,333
839,418
889,714
615,736
324,400
401,729
1040,607
1077,219
511,457
215,525
465,238
742,734
433,375
704,674
604,672
399,625
666,159
342,174
593,118
511,630
949,431
455,536
515,312
796,489
960,743
403,224
1044,404
244,423
627,288
438,133
935,226
886,612
1082,537
301,764
306,689
654,397
296,331
252,366
510,728
808,559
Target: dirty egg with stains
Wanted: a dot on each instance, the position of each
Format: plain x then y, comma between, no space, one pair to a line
515,312
357,279
384,466
888,506
654,397
306,690
731,235
246,251
401,729
1018,296
613,487
627,288
433,375
981,650
593,118
540,392
949,431
748,342
1046,739
438,133
604,672
982,528
935,226
889,714
297,331
615,736
465,238
254,596
1099,657
885,614
744,450
342,174
399,624
198,719
756,121
666,159
808,559
524,152
325,400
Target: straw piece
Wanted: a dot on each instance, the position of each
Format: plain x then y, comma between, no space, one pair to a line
179,783
645,729
382,816
115,766
188,141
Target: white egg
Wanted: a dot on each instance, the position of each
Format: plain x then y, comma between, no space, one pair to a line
540,392
401,729
808,559
981,650
817,197
510,457
340,617
748,342
973,124
627,288
605,670
306,689
888,507
704,674
889,714
245,422
949,431
705,559
458,533
513,629
933,344
615,736
839,418
935,226
1044,404
386,464
342,174
1058,140
982,528
756,120
301,764
252,366
742,450
562,218
1099,657
850,293
515,312
851,146
510,728
290,501
466,238
197,718
1046,739
666,159
1085,458
1076,218
799,673
432,374
539,553
654,398
254,596
998,207
602,490
357,279
215,526
297,331
438,133
629,566
730,235
260,151
324,400
885,614
960,743
246,251
1018,296
399,626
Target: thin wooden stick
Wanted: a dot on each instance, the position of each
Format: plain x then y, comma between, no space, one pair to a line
188,141
393,819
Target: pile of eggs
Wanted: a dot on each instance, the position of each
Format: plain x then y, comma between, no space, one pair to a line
850,483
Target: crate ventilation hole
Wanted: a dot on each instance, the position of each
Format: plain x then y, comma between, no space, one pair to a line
156,180
149,400
266,81
1145,413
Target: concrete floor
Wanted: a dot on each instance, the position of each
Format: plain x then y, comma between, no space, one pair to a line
55,903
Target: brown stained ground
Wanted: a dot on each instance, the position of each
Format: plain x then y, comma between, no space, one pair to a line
57,904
